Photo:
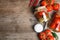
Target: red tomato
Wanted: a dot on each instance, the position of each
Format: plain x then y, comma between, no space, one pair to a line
44,3
49,37
55,6
53,26
49,8
50,2
40,14
48,32
42,35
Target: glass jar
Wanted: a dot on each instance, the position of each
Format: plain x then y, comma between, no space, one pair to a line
55,22
42,16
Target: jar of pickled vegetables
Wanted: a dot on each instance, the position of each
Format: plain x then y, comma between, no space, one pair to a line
42,16
55,23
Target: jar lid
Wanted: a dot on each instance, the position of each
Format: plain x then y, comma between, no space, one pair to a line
38,28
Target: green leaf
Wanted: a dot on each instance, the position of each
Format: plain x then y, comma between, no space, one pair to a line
55,35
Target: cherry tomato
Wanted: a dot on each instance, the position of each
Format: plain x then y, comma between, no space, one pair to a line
42,35
49,37
49,8
55,6
48,32
44,3
49,2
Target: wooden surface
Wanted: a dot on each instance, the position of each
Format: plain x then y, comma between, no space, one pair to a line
16,20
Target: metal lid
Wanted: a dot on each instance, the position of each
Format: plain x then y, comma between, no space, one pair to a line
38,28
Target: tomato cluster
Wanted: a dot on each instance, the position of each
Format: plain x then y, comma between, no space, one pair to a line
50,5
46,35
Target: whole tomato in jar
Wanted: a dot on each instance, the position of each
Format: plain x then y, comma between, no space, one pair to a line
49,8
42,16
39,14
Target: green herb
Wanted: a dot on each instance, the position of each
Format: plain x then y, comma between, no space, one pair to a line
55,35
